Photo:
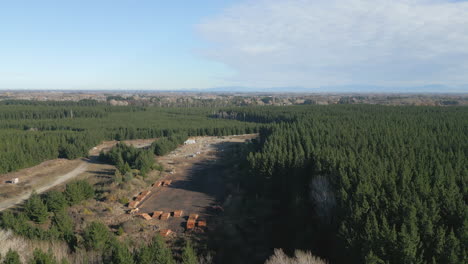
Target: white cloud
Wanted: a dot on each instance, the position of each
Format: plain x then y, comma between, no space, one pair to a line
329,42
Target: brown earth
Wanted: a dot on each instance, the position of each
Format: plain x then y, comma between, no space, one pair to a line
52,173
197,184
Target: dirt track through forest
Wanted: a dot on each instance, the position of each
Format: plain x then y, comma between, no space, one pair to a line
52,173
5,204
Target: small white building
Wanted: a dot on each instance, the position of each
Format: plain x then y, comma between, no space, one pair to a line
189,141
15,180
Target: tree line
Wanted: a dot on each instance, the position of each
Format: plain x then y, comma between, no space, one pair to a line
126,158
362,184
25,142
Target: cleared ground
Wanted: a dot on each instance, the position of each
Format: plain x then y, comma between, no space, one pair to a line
197,184
52,173
196,172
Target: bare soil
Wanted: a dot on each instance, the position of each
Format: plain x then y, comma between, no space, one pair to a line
197,173
52,173
197,183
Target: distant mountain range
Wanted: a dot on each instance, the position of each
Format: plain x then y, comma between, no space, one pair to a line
435,88
374,89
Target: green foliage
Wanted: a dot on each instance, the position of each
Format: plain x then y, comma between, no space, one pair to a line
19,224
392,181
156,252
124,200
124,168
55,201
120,231
359,183
11,257
78,191
40,257
126,157
97,236
120,254
164,145
118,178
36,209
144,162
61,224
32,132
189,256
64,225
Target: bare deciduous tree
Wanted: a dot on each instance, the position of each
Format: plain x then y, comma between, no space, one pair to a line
300,257
322,196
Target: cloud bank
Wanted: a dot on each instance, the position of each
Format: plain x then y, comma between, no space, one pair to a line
315,43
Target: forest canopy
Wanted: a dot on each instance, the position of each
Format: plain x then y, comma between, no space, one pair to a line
32,132
362,184
351,183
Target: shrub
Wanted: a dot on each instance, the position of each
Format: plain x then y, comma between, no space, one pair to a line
118,178
158,167
128,176
86,211
96,236
11,257
40,257
120,231
299,257
156,252
124,200
120,254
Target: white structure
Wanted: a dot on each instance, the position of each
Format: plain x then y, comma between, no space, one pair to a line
15,180
189,141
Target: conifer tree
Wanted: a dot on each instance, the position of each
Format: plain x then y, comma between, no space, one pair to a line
36,209
189,256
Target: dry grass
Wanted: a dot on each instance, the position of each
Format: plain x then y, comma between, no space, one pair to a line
25,247
300,257
59,249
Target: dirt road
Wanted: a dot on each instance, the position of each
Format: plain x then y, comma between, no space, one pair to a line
52,173
7,203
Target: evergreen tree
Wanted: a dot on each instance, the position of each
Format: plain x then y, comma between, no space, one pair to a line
64,225
120,254
55,201
97,236
78,191
156,252
189,256
36,209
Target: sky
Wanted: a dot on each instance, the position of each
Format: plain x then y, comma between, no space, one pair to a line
260,44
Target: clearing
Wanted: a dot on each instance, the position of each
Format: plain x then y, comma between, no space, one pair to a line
197,185
52,173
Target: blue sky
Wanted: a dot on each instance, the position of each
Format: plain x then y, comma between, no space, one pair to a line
106,45
160,45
